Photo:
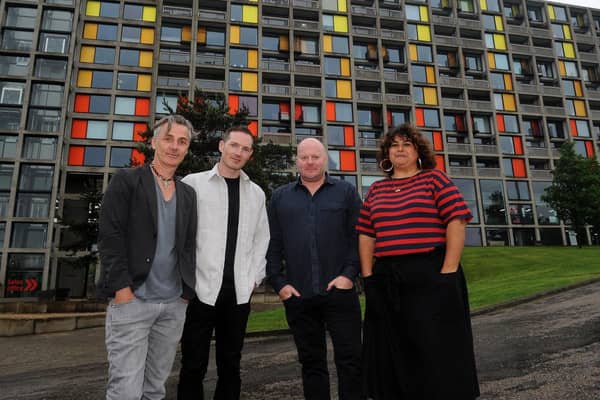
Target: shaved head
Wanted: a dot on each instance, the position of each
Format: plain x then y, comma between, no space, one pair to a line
311,160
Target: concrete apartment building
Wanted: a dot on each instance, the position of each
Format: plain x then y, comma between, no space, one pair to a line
497,85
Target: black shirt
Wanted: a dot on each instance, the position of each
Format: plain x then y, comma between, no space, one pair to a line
233,217
314,234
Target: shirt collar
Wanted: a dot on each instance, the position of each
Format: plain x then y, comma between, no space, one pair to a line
215,172
328,181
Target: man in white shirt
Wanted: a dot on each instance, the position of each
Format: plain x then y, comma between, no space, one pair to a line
232,241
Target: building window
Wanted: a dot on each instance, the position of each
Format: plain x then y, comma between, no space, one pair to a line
50,68
46,95
43,120
21,17
494,210
39,148
57,20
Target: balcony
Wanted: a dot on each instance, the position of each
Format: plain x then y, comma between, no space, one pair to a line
595,114
593,94
442,20
540,174
395,76
517,30
277,138
474,24
444,40
369,167
368,142
398,99
212,15
460,171
307,91
458,148
210,84
521,48
173,11
477,84
489,172
531,109
584,39
542,52
306,25
392,34
387,13
537,152
486,149
454,103
274,21
551,91
540,33
471,43
277,2
554,111
589,57
366,74
524,88
555,152
360,10
452,82
210,59
369,96
306,4
283,90
480,105
277,66
364,31
173,82
174,56
307,68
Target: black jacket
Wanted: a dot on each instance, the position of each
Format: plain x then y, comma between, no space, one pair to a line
127,232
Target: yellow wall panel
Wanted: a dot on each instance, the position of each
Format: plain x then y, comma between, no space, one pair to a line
551,12
249,81
327,43
561,68
90,31
186,34
92,8
340,23
234,34
146,59
567,32
483,5
424,33
578,89
579,108
345,66
491,60
284,43
499,41
144,83
498,23
507,82
252,59
147,36
509,102
430,95
342,5
84,78
423,13
149,14
250,14
569,50
430,74
87,54
201,38
344,89
412,52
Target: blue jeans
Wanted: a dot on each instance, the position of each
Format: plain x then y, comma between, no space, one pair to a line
141,341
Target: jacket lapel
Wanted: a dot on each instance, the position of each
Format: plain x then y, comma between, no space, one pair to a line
180,207
150,193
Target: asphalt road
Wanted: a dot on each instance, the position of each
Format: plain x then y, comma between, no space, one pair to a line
545,349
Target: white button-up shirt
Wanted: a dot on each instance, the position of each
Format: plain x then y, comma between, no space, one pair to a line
252,238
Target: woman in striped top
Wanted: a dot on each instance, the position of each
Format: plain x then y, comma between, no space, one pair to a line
417,331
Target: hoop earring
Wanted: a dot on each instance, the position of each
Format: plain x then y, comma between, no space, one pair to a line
419,163
384,161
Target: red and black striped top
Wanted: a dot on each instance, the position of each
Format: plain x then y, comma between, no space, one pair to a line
410,215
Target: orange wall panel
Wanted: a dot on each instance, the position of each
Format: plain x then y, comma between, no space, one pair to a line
234,104
438,142
79,129
82,103
439,162
76,155
138,129
347,160
518,165
349,136
330,111
142,107
420,114
253,127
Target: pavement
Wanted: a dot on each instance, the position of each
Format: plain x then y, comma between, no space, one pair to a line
547,348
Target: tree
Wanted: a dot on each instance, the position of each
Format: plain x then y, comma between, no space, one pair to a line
211,116
575,191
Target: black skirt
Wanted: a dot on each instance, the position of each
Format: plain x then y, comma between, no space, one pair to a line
417,342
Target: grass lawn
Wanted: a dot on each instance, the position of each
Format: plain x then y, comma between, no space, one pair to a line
498,274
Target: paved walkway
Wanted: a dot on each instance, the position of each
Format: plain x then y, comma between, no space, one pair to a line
546,349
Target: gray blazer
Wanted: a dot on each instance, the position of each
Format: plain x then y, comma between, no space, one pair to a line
127,232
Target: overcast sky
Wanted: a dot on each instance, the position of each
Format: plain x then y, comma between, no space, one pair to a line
585,3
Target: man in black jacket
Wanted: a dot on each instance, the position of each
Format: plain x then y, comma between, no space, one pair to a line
147,252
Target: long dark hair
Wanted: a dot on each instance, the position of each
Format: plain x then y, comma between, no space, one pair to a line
413,135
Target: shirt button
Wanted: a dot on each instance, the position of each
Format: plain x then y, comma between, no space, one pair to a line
148,260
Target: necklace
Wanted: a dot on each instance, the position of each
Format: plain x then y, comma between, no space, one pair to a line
165,181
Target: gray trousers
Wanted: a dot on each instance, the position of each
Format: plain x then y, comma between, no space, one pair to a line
141,341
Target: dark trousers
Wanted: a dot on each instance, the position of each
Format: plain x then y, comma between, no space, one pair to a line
228,320
339,313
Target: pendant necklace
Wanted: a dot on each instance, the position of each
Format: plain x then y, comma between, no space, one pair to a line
165,181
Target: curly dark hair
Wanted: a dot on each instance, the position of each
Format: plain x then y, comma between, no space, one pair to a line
412,134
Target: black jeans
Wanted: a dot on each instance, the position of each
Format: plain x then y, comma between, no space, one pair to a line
228,320
339,313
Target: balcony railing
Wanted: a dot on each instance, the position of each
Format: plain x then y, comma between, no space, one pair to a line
306,4
272,65
392,34
480,105
471,43
210,84
453,103
584,39
458,147
363,30
368,142
307,25
274,21
461,171
489,172
589,57
277,138
595,114
542,51
555,152
477,84
554,111
369,96
387,13
212,15
210,59
517,29
541,33
537,151
453,82
540,174
276,89
551,91
395,76
360,10
486,149
528,89
593,94
369,167
401,99
177,11
173,82
174,56
443,20
366,74
443,39
307,91
521,48
307,68
470,23
531,109
277,2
